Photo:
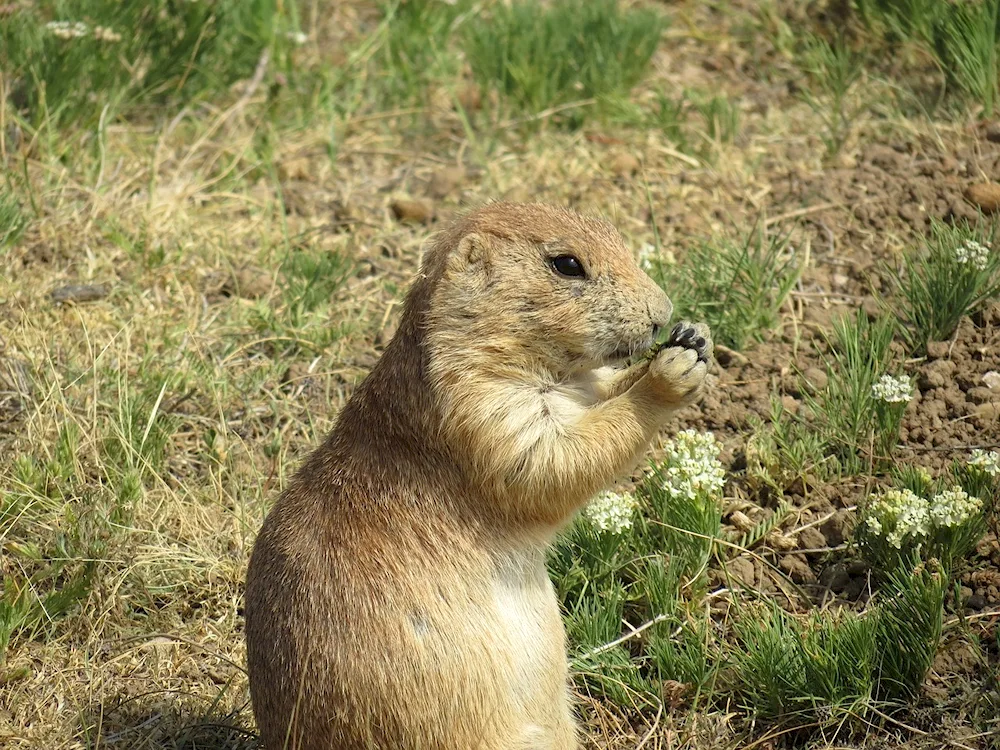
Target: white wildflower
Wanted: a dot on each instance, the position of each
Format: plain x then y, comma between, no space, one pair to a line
893,390
611,511
68,30
692,465
874,524
988,462
297,37
953,507
974,253
105,34
899,514
647,252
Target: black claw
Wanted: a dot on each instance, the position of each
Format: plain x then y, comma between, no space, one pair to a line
676,330
699,342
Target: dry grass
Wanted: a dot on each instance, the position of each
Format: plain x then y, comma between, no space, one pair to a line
190,220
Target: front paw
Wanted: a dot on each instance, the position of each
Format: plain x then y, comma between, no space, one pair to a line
679,369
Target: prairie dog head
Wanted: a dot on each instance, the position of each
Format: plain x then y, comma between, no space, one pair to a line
542,287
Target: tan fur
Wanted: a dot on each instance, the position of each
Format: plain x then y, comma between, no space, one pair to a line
397,596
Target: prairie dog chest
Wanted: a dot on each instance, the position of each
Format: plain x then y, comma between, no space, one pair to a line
528,616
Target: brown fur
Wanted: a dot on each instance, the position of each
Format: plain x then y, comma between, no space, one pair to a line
397,596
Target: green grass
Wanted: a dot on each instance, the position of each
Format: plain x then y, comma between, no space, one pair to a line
835,70
538,58
953,274
72,60
737,286
859,356
965,41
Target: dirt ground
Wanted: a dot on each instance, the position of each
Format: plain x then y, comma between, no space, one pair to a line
167,673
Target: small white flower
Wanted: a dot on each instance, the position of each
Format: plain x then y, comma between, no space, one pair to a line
297,37
988,462
974,253
953,507
611,511
68,30
104,34
647,252
692,467
893,390
898,514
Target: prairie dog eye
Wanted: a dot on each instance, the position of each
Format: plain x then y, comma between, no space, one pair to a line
568,265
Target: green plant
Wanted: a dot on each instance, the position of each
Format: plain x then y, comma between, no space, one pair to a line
903,19
74,59
834,69
908,621
683,495
12,221
722,118
902,526
738,288
786,449
965,41
952,276
538,57
846,408
414,47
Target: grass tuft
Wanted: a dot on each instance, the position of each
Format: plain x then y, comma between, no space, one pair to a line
537,57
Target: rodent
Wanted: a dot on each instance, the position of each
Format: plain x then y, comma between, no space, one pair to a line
397,595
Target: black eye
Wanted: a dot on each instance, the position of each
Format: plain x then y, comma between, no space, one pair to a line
568,265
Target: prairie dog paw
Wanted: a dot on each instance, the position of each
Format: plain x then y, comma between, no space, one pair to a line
693,336
678,371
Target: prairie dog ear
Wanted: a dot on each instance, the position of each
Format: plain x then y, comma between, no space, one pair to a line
471,256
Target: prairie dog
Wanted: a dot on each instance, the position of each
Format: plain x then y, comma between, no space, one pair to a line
397,596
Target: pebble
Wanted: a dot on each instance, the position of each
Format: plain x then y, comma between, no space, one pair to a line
624,165
816,378
412,211
79,293
444,181
992,380
986,195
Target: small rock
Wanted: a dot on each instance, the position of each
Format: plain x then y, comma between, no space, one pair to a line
987,414
992,132
982,395
726,356
624,165
992,380
836,577
815,378
250,283
412,211
470,98
986,195
79,293
836,529
797,568
444,181
789,404
857,568
976,601
295,169
811,538
742,570
740,520
937,349
937,374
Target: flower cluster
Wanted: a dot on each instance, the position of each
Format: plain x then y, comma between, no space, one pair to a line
974,253
953,507
988,462
79,30
68,30
692,467
901,515
898,514
611,511
893,390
